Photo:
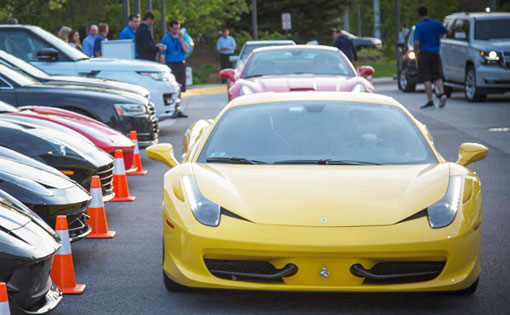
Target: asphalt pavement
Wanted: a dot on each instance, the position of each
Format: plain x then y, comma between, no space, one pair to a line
124,276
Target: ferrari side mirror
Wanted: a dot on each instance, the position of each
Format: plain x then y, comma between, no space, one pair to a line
163,152
470,153
227,74
365,71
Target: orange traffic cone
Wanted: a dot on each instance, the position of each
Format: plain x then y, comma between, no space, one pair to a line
4,301
137,162
96,212
120,184
62,272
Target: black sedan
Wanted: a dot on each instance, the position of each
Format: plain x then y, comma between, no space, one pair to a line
68,152
122,111
26,254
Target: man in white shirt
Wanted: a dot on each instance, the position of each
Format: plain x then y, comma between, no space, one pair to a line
226,46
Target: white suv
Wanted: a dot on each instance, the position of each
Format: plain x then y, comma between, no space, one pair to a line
51,54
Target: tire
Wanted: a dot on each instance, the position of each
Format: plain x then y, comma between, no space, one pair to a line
403,84
471,91
469,290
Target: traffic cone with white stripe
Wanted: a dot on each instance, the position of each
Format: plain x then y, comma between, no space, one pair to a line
96,212
62,271
120,184
137,162
4,301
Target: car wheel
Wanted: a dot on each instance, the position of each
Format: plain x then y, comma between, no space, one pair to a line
403,84
471,91
170,285
469,290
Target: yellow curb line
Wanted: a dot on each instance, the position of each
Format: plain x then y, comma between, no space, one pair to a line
209,90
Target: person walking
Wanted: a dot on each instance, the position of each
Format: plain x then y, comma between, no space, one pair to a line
173,55
427,35
103,32
129,32
402,34
345,44
88,42
226,46
144,42
74,40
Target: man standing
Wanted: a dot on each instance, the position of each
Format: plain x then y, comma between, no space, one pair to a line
226,46
144,42
103,32
129,32
426,45
88,42
176,48
344,43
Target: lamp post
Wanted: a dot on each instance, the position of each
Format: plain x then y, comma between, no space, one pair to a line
254,19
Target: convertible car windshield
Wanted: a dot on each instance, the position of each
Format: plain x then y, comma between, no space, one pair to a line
297,61
325,133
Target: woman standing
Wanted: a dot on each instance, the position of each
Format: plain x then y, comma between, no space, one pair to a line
63,33
74,40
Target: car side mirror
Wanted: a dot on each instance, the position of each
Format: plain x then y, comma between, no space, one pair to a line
470,153
163,152
233,59
47,54
365,71
227,74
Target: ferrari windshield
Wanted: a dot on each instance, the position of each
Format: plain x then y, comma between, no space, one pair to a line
248,48
287,61
320,132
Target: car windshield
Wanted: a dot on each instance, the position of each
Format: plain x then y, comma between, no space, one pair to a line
15,62
297,61
319,132
492,29
247,49
73,53
17,76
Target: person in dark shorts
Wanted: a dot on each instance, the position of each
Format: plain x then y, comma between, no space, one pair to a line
427,34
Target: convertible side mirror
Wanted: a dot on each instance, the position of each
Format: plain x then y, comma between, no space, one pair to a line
366,71
227,74
163,152
470,153
47,54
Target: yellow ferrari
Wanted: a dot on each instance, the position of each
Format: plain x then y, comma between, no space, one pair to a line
319,191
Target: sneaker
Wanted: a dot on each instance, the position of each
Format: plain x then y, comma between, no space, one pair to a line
429,104
442,99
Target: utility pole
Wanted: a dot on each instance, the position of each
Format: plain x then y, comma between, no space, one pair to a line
137,7
397,30
254,19
377,19
148,5
346,19
163,18
125,11
492,5
359,19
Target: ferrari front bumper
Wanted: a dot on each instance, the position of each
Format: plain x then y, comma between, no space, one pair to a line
323,256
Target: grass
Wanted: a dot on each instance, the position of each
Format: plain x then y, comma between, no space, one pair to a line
382,67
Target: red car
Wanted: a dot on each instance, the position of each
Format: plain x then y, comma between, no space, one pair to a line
296,68
98,133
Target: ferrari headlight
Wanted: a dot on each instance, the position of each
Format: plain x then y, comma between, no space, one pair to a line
245,90
443,212
130,109
204,210
358,88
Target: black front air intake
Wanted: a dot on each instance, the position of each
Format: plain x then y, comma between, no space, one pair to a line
249,270
398,272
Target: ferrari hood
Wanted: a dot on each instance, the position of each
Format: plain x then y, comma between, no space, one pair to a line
323,195
290,83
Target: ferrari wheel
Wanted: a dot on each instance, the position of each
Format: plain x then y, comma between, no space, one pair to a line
469,290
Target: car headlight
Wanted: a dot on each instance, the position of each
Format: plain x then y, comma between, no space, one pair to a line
204,210
358,88
411,55
245,90
130,109
490,57
443,212
157,75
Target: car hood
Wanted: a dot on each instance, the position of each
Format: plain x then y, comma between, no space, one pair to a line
496,44
305,82
304,195
23,159
29,173
109,64
96,82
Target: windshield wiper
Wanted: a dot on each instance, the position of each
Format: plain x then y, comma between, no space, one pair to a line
234,160
326,162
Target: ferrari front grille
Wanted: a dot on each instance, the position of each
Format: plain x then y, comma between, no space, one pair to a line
398,272
248,270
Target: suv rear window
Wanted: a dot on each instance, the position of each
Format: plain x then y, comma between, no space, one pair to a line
492,29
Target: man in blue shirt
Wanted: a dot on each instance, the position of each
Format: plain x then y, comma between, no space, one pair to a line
88,42
173,55
226,46
103,32
427,34
129,32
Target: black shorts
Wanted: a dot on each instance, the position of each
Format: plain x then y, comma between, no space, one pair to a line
179,71
429,66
